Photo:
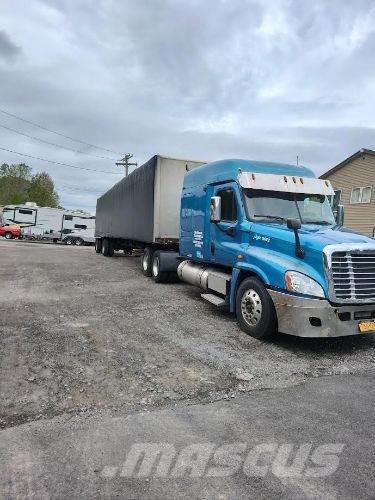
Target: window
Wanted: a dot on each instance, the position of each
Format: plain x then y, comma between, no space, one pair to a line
80,226
228,205
270,206
26,212
361,195
336,199
68,217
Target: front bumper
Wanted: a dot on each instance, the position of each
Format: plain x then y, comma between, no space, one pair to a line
298,315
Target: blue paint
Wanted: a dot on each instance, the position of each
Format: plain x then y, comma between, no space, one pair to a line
266,249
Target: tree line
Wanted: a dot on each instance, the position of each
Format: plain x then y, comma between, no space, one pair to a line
18,184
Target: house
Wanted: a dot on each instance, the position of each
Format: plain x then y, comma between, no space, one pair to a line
354,182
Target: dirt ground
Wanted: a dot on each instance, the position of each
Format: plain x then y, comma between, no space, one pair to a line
80,333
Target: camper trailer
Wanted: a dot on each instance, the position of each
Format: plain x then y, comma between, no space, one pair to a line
56,224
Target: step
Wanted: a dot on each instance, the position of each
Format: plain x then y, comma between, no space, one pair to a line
214,299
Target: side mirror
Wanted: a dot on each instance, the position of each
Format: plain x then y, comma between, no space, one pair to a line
340,215
294,224
215,209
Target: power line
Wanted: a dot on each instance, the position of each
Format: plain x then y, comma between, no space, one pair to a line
53,144
57,133
58,163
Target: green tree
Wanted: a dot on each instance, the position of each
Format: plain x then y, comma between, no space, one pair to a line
14,183
42,190
18,185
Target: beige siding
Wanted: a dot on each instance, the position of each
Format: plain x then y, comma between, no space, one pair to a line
358,173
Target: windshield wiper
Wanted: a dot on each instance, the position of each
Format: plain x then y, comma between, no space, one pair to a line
277,217
318,222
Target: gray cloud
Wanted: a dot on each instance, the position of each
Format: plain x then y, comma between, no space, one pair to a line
8,50
199,79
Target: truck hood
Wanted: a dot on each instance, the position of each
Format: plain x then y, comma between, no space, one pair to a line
275,245
315,237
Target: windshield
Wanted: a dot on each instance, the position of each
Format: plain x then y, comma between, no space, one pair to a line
275,205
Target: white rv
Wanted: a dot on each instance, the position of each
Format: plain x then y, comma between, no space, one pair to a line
56,224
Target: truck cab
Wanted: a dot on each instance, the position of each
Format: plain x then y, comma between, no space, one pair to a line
261,239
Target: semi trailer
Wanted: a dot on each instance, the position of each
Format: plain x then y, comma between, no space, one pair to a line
258,238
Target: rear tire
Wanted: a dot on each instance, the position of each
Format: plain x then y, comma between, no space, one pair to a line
157,275
146,261
69,241
98,245
255,311
107,247
79,242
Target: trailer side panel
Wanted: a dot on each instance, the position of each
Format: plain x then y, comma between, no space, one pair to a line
127,209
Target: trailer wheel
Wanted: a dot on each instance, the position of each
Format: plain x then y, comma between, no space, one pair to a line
69,241
98,245
146,261
255,311
107,247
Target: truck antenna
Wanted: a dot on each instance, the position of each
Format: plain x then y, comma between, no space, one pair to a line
124,162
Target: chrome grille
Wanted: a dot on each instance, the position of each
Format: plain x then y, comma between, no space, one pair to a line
353,276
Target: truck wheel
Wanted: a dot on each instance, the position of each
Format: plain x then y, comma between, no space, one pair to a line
158,275
254,309
8,236
146,261
69,241
107,247
98,245
79,242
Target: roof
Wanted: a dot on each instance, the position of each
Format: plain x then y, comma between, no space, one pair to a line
347,160
224,170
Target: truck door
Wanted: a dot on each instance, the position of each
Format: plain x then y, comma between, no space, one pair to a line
225,235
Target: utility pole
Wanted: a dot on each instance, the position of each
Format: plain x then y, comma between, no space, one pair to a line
124,162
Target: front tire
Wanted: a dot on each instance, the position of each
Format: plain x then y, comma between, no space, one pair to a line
8,236
255,311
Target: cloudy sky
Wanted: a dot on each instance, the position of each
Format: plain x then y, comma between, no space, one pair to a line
205,80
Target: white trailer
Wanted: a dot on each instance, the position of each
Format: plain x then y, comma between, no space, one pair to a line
55,224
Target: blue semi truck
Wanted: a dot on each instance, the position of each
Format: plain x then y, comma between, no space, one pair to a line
258,238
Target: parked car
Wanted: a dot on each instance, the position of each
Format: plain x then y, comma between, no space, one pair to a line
10,231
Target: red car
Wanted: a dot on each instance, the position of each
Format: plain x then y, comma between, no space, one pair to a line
10,231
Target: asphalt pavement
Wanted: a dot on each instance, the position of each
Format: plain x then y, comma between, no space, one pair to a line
115,387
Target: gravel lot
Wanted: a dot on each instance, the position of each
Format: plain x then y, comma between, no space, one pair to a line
86,335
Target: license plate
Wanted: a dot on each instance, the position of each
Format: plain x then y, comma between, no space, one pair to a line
366,326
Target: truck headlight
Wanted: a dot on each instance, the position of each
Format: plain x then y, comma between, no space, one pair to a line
300,283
